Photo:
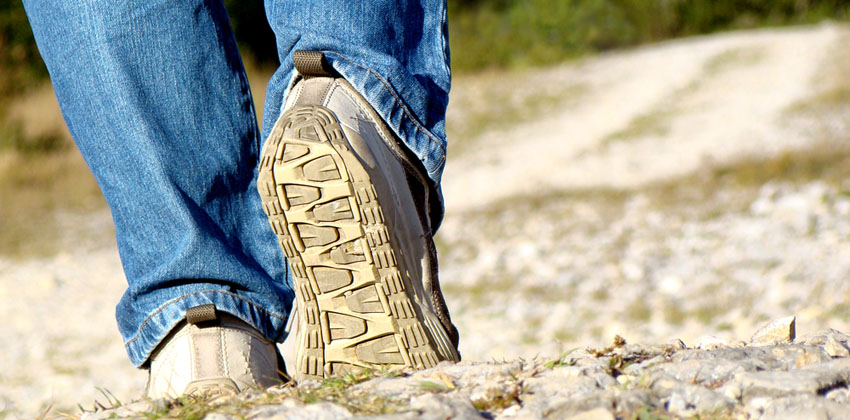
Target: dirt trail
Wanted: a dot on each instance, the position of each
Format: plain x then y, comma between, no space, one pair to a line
556,273
650,114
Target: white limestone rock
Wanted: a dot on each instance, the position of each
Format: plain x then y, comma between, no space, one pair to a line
782,330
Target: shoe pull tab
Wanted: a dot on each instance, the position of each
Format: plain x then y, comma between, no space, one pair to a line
203,313
312,64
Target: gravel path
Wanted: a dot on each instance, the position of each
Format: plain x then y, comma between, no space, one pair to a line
656,194
762,379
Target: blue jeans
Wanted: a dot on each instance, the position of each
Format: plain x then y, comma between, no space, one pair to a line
156,98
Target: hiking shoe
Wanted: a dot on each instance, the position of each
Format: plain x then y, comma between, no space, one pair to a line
342,196
211,354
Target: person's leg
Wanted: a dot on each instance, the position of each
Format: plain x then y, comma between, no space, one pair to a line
394,52
155,95
347,194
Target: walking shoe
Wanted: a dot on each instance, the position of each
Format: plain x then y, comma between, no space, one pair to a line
212,353
349,211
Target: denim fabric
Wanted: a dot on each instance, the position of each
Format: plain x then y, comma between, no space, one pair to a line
395,53
156,98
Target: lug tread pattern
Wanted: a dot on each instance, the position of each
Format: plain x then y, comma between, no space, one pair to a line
354,306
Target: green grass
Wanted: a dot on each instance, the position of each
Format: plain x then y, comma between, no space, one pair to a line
655,122
339,391
522,33
495,400
561,360
334,390
732,59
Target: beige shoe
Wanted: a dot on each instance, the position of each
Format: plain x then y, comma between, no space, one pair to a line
342,198
212,353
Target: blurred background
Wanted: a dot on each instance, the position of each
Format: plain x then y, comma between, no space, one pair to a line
485,35
657,169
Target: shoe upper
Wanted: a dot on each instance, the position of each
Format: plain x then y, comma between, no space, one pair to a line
212,356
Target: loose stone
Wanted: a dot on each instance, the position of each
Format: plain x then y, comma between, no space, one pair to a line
782,330
710,342
595,414
835,348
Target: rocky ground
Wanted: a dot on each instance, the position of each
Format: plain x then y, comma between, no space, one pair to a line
692,190
766,378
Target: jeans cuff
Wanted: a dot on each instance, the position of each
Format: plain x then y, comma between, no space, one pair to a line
160,323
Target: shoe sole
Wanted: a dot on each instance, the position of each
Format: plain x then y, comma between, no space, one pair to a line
353,301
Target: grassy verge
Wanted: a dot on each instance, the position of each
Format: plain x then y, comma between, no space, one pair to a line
521,33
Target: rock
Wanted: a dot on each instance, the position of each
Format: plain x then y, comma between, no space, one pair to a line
575,406
637,369
835,348
782,330
677,404
806,359
693,399
510,411
292,411
708,371
127,410
566,382
662,384
803,407
595,414
443,407
677,344
710,342
812,380
820,337
838,395
631,400
218,416
731,390
687,399
799,380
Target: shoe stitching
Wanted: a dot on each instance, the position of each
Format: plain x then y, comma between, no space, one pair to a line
224,367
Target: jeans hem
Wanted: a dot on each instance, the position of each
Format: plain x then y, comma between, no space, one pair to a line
157,326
